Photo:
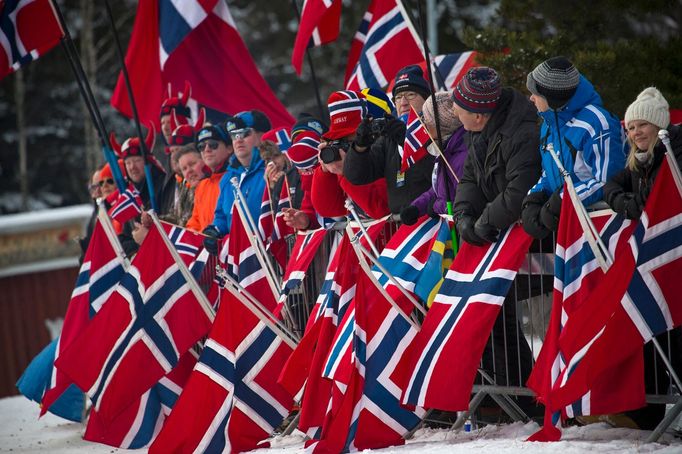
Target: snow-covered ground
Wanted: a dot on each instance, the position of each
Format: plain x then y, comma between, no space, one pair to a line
21,431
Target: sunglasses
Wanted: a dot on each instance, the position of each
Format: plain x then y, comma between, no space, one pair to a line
107,181
241,133
212,144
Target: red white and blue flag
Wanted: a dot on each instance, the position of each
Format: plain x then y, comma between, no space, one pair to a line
137,426
194,41
319,25
576,275
232,402
102,269
637,299
28,29
139,335
126,206
383,45
302,254
416,140
458,324
450,68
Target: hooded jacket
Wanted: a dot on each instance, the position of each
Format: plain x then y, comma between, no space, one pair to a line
589,143
443,183
252,185
502,163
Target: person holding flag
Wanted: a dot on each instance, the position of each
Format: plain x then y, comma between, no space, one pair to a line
372,158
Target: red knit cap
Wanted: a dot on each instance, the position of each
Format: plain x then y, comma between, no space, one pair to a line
478,91
346,111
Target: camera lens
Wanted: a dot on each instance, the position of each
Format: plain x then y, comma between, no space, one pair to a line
330,154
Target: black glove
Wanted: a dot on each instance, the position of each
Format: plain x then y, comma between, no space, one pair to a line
395,130
363,135
211,240
409,215
485,231
465,227
430,211
549,214
628,204
530,215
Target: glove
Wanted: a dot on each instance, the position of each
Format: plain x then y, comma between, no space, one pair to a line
212,239
395,130
629,205
485,231
363,135
549,214
430,210
530,215
409,215
465,227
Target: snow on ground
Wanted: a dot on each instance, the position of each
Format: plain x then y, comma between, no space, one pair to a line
22,432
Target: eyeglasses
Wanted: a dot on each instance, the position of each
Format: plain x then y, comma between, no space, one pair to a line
107,181
241,133
212,144
409,95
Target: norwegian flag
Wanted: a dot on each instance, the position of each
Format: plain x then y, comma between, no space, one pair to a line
637,300
450,68
232,402
577,274
319,25
416,140
103,267
389,44
126,206
367,414
28,29
138,336
137,426
195,41
302,254
458,324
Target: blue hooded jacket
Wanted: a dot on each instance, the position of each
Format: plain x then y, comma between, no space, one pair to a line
589,142
252,185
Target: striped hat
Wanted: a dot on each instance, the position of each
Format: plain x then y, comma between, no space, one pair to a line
378,103
346,111
478,91
303,152
556,80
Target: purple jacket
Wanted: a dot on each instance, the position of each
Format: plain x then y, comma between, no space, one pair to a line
456,153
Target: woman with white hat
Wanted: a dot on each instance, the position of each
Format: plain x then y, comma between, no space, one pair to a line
627,191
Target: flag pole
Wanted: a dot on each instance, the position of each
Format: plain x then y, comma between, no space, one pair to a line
320,107
88,97
436,117
133,106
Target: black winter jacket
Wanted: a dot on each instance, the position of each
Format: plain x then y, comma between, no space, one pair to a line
627,192
503,163
383,160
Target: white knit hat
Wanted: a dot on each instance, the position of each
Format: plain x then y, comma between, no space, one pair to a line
446,116
649,106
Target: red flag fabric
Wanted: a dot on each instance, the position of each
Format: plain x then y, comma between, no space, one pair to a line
197,41
319,25
137,426
577,274
138,336
29,29
458,324
416,140
231,402
383,45
637,299
100,272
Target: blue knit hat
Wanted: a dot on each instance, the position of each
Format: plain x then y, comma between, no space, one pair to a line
411,78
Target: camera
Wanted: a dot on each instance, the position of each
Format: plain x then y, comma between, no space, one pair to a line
331,153
376,126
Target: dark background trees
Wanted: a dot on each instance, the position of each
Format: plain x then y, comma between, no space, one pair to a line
621,46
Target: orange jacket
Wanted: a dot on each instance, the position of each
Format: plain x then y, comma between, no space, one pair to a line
205,200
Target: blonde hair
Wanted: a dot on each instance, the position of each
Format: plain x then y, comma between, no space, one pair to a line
631,161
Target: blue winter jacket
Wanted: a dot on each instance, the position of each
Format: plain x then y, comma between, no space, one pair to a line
252,185
591,146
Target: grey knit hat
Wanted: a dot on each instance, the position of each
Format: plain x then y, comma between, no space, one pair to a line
556,80
446,116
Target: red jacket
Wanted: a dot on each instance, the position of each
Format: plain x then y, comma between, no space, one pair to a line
329,192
